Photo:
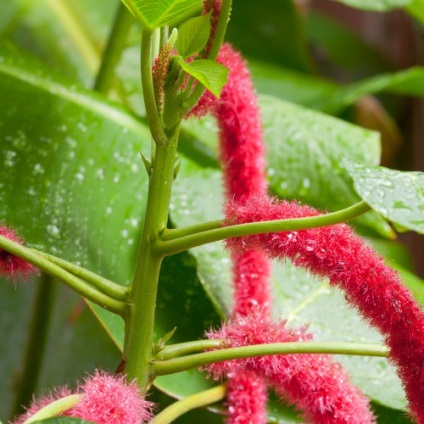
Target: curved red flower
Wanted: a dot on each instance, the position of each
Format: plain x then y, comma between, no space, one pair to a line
376,290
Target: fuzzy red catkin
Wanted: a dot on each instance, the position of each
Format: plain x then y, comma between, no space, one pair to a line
12,266
111,400
243,158
106,399
336,253
314,383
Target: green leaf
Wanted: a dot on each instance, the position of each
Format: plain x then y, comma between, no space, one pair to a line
211,74
193,35
305,151
293,86
270,32
398,196
416,9
376,5
156,13
74,160
409,82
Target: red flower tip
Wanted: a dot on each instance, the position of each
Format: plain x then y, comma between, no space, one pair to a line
314,383
111,400
12,266
105,399
242,148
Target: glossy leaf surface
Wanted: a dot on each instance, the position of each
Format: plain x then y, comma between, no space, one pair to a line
211,74
398,196
193,35
156,13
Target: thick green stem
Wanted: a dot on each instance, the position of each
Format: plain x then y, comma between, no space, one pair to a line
75,283
184,363
114,47
179,349
170,245
39,328
181,407
139,332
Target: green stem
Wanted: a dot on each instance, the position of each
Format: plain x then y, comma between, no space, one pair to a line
177,233
181,407
39,328
184,363
140,325
175,245
213,52
153,116
115,45
55,408
75,283
179,349
104,285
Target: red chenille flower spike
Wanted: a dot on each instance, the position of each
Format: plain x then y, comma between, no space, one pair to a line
376,290
12,266
316,384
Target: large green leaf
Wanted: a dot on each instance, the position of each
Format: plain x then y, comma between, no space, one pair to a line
409,82
416,9
376,5
271,32
293,86
305,153
398,196
155,13
73,184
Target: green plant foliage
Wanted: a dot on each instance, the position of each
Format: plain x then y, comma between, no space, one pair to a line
398,196
416,9
89,218
193,35
156,13
376,5
311,146
409,82
274,35
211,74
